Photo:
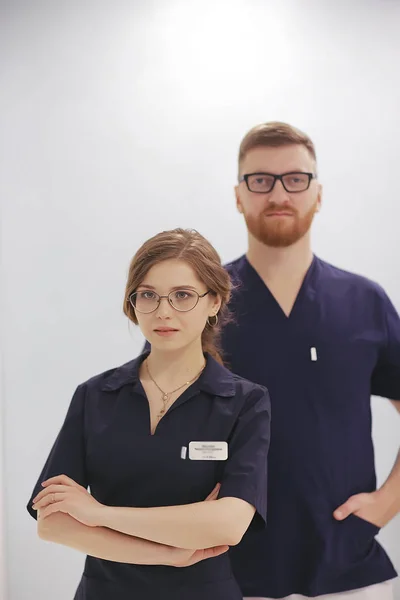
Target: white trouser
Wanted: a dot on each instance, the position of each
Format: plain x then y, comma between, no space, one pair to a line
380,591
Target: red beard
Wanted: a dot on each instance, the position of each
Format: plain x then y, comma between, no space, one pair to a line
280,232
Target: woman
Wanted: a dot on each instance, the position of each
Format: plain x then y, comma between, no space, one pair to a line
154,437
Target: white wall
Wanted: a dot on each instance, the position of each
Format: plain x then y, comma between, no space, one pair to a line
3,581
124,118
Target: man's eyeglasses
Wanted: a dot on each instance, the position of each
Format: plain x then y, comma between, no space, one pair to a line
147,301
262,183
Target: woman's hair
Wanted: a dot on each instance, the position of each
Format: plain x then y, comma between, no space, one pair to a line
187,245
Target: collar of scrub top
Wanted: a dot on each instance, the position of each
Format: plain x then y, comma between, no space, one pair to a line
215,379
253,282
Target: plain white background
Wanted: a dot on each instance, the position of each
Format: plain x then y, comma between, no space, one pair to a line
121,119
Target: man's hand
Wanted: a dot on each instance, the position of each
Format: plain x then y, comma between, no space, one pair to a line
375,507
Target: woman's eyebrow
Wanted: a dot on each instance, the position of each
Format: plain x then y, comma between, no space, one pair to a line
177,287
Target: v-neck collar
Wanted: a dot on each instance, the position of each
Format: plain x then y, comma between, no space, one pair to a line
307,288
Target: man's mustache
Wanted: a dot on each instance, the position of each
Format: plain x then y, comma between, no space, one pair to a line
273,209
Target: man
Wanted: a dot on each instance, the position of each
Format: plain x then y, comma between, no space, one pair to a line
322,340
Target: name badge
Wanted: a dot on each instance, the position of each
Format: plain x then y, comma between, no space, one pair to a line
208,450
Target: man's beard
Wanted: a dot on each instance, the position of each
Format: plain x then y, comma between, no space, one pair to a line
280,232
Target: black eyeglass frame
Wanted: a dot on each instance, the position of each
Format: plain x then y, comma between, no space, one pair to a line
245,178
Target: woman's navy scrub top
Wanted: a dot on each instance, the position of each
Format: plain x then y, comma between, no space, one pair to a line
105,443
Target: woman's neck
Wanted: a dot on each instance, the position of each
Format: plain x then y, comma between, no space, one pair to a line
172,368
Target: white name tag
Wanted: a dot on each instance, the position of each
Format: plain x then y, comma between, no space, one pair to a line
208,450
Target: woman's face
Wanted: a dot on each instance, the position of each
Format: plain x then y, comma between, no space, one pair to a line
165,327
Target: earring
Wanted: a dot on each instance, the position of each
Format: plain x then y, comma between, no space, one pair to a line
215,322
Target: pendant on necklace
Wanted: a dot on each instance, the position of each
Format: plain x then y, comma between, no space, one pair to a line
165,397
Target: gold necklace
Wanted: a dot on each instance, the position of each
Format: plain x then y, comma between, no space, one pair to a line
166,395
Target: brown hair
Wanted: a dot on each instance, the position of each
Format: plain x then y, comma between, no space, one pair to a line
274,134
190,246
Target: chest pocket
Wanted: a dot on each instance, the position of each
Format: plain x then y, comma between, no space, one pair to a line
340,369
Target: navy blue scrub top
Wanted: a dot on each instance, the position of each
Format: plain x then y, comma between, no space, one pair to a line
340,344
105,443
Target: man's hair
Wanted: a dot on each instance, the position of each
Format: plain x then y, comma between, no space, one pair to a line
274,135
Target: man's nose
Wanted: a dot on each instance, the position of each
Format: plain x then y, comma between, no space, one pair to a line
278,194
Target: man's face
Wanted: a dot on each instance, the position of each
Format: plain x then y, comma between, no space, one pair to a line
278,218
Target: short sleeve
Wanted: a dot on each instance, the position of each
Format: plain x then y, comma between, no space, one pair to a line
67,456
386,376
245,472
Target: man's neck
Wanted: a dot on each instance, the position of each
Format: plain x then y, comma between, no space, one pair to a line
280,264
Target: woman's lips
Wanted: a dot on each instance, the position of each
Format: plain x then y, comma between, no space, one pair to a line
165,331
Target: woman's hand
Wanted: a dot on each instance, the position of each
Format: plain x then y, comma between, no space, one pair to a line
185,558
63,494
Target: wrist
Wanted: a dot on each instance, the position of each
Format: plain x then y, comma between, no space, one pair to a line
168,555
104,516
389,500
119,518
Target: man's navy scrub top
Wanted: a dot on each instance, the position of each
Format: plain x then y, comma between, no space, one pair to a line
340,344
105,443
